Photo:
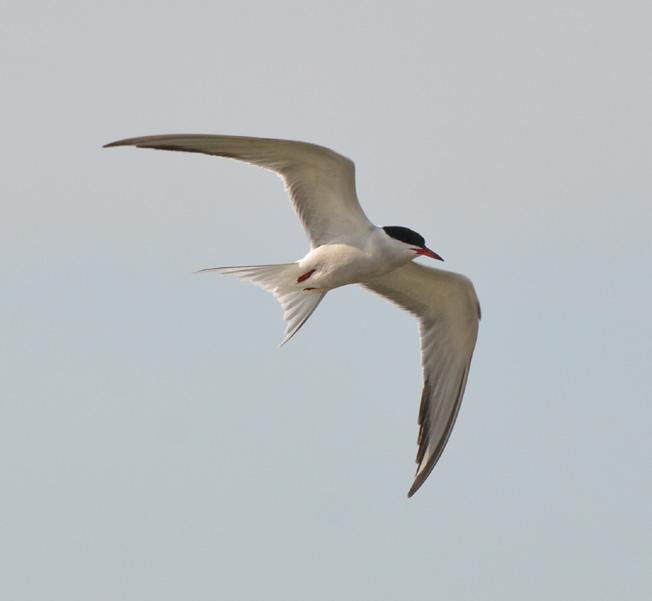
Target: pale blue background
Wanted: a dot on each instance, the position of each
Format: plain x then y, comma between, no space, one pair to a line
154,444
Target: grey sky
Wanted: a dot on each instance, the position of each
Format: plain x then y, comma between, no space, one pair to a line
155,444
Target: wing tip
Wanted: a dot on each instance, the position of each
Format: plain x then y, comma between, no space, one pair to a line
168,142
420,478
125,142
120,142
143,141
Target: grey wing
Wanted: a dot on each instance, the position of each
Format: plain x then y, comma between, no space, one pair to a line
448,312
320,182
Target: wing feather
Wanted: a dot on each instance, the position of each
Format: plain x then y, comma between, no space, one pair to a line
448,312
320,182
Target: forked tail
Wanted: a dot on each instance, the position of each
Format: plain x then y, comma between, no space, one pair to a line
298,304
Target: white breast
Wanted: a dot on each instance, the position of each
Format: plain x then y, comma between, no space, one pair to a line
351,262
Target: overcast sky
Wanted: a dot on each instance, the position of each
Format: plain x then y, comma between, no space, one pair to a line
155,443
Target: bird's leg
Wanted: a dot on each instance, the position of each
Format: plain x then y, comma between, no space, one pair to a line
305,276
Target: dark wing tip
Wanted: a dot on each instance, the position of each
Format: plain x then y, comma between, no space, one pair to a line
170,142
416,485
423,471
146,141
426,470
125,142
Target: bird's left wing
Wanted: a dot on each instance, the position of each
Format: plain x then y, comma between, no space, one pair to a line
448,312
320,182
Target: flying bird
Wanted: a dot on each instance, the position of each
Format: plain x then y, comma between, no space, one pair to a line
347,248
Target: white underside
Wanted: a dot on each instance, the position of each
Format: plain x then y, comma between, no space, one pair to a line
299,287
354,261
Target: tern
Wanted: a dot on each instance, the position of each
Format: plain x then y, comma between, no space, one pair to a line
347,248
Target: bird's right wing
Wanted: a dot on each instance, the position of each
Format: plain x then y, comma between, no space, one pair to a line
320,182
448,312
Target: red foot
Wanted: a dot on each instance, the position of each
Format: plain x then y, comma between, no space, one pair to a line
305,276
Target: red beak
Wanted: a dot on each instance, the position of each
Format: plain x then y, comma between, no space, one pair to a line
426,252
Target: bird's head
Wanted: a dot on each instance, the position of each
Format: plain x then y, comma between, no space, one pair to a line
411,241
